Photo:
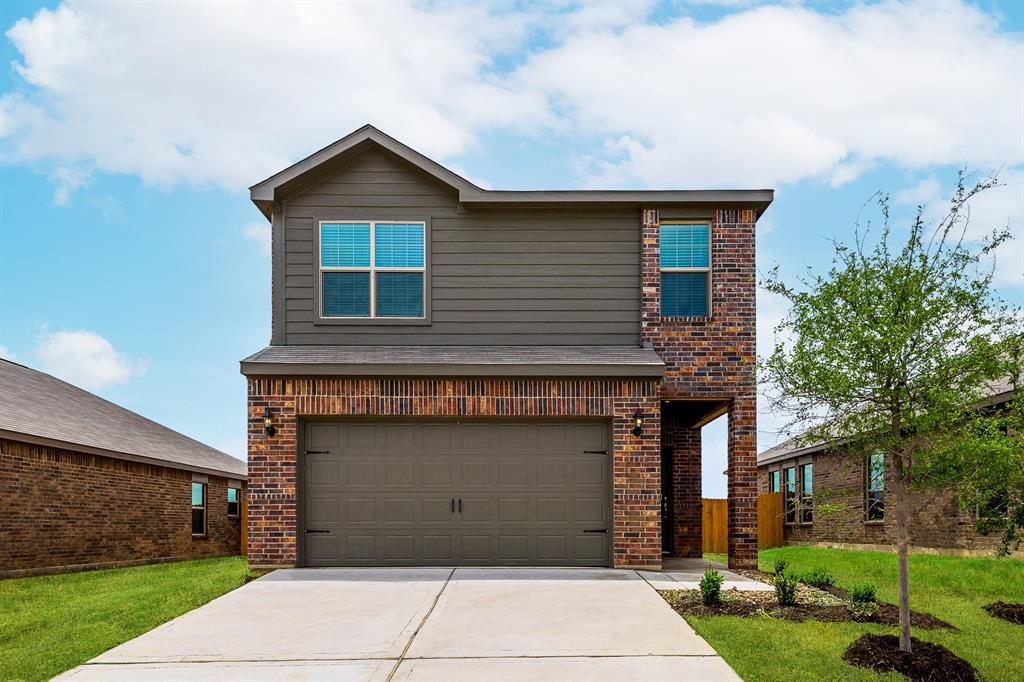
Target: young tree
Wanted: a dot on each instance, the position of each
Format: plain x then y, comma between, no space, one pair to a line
891,350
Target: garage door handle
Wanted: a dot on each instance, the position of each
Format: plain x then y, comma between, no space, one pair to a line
316,530
453,505
460,505
596,530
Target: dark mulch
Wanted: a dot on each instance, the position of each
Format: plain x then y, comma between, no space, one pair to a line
1010,612
926,663
889,614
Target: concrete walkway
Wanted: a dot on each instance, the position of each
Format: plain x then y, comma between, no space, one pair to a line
420,624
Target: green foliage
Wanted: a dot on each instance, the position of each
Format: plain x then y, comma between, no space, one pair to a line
780,566
863,593
49,624
785,589
711,587
864,611
818,577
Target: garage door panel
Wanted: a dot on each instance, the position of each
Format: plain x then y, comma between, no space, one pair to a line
387,493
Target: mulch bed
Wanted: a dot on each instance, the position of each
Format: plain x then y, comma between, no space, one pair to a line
812,604
888,614
1013,613
926,663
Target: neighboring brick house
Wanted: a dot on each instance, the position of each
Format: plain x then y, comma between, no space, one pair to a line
467,376
834,497
87,484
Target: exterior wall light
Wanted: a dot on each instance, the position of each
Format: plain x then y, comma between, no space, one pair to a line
268,422
638,421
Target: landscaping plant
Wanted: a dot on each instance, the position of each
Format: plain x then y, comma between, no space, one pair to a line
711,587
892,350
780,566
785,589
864,602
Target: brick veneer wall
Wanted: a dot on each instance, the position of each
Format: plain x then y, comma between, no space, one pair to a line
713,357
687,505
61,509
938,520
273,498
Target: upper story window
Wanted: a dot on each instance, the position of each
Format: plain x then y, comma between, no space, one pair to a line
372,269
874,494
685,269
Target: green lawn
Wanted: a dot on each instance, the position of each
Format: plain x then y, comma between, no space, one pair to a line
953,589
49,624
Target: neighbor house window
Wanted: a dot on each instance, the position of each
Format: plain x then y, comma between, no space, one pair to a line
198,509
234,502
806,493
875,487
774,477
789,494
372,269
685,269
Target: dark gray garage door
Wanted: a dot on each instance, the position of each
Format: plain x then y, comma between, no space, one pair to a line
446,493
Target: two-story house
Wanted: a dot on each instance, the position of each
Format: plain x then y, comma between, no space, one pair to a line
461,376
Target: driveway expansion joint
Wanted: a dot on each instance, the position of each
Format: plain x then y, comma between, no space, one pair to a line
408,645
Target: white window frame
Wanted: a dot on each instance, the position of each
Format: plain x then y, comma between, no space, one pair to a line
372,269
706,270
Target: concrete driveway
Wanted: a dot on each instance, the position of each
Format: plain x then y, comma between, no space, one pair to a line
362,625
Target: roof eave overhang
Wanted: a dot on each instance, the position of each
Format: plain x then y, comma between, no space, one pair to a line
651,370
267,193
114,454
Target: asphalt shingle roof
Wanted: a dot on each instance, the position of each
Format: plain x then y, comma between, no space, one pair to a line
539,360
38,405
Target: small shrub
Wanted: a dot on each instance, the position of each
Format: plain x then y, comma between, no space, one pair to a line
863,603
780,566
819,578
863,594
864,611
785,589
711,587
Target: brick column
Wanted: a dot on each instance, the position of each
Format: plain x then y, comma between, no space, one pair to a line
687,526
272,481
743,482
637,487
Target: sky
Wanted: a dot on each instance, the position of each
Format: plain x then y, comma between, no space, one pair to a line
135,266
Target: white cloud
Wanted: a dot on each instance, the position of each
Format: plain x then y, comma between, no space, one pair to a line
259,232
7,354
763,96
86,359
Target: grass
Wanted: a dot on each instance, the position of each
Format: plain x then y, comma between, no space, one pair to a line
50,624
953,589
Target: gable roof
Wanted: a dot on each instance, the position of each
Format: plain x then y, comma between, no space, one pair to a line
264,194
38,408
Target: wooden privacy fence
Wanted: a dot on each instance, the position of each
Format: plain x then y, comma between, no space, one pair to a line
715,520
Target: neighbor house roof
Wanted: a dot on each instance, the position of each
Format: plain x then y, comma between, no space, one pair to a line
997,392
455,361
38,408
264,194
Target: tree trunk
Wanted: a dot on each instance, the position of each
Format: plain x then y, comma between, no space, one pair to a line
901,515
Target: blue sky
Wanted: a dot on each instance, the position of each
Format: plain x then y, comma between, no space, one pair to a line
135,265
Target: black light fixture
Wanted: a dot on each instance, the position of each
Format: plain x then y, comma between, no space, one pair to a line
638,420
268,422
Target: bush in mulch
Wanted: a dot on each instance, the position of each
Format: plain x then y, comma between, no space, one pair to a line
926,663
1013,613
889,614
811,604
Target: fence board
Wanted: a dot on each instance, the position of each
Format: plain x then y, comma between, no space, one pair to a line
715,520
769,520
